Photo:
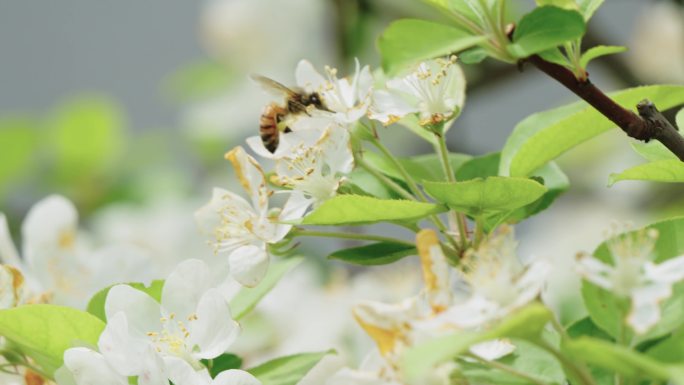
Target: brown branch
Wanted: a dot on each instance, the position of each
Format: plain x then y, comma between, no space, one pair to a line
649,124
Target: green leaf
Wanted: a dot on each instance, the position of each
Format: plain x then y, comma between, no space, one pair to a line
96,305
615,358
588,7
88,137
598,51
554,55
359,210
565,4
527,323
667,171
225,361
464,10
381,253
473,55
671,350
527,358
479,167
482,197
608,311
545,28
44,332
408,41
247,298
544,136
421,167
287,370
361,182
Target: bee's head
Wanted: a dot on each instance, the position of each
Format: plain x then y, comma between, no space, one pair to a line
315,100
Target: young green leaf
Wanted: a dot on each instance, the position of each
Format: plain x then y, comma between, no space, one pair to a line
544,136
671,350
565,4
527,323
44,332
668,171
409,41
287,370
225,361
359,210
545,28
96,305
421,167
598,51
588,7
483,197
248,297
380,253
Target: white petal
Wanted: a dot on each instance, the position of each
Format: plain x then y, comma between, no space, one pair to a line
141,310
251,177
123,352
389,107
670,271
89,367
213,330
530,285
181,373
248,264
50,224
474,312
154,370
235,377
307,77
493,350
645,312
8,252
185,286
595,271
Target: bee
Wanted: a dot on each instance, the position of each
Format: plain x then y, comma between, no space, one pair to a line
275,117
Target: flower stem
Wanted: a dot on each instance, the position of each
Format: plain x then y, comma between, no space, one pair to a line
457,218
508,369
342,235
402,170
384,179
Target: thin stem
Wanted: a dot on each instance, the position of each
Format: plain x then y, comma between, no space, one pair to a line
458,218
508,369
402,170
342,235
384,179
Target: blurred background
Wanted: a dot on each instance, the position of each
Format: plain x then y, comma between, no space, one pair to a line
127,107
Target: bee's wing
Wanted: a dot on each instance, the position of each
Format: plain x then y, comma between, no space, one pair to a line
272,87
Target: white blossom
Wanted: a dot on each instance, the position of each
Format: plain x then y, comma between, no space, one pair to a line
633,274
245,229
435,91
317,171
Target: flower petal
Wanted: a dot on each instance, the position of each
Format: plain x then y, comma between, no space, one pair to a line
235,377
670,271
141,311
307,77
8,251
493,350
184,287
248,264
594,271
213,330
123,352
251,177
645,312
89,367
181,373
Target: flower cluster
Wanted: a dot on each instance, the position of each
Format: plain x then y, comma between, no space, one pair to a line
315,153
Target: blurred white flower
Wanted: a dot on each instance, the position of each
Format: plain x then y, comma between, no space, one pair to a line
193,322
317,171
435,91
349,99
181,373
634,275
59,263
243,229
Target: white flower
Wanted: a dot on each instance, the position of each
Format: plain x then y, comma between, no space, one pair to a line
181,373
83,366
349,99
193,322
435,91
59,264
316,171
634,275
497,282
244,229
